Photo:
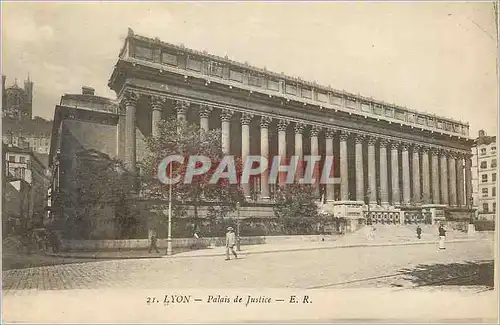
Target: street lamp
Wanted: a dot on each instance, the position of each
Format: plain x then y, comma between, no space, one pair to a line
169,236
238,248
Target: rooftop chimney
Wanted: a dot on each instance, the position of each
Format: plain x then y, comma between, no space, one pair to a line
88,91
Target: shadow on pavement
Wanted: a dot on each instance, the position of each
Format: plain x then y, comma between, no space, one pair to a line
479,273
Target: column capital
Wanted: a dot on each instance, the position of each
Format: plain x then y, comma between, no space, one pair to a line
359,138
445,153
130,98
405,146
371,140
395,145
435,151
314,131
329,133
265,121
246,118
157,103
182,106
344,135
424,149
226,114
299,127
384,142
205,110
282,125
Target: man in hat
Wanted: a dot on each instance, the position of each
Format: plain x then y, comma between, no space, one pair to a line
230,242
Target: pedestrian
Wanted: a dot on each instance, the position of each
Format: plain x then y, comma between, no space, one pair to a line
153,245
442,236
419,231
230,242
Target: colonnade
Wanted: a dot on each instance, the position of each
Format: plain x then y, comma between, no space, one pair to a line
430,174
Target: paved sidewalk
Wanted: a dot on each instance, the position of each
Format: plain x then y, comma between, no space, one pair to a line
346,242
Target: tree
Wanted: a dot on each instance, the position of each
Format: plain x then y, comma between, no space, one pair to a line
179,138
99,181
295,207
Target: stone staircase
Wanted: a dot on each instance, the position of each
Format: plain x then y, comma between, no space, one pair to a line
398,233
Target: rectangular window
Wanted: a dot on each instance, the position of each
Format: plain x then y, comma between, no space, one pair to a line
483,151
493,191
378,109
484,178
194,65
22,159
400,115
273,85
493,163
439,124
291,89
143,53
431,122
493,149
235,75
485,207
12,158
307,93
365,107
255,81
322,97
484,192
351,103
421,120
168,58
389,112
494,177
336,100
484,164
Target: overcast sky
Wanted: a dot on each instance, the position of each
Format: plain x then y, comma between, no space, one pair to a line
433,57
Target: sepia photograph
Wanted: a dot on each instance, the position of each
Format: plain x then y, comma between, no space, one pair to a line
249,161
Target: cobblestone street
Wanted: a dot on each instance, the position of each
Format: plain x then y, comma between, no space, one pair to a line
303,269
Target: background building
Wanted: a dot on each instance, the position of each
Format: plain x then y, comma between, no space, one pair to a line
485,176
17,102
26,184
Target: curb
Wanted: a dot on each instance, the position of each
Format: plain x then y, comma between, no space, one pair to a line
97,257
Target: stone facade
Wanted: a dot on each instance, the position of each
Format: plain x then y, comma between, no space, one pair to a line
397,164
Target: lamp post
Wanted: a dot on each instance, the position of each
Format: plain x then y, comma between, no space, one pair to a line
238,248
169,236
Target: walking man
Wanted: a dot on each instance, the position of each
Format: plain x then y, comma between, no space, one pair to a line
153,243
230,242
442,236
419,231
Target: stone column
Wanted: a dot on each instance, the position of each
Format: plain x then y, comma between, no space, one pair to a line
360,186
344,170
426,176
264,152
384,188
444,178
205,111
181,106
330,188
406,174
299,128
372,176
460,180
452,171
225,117
157,103
435,176
468,181
130,99
395,173
245,120
416,174
313,132
282,126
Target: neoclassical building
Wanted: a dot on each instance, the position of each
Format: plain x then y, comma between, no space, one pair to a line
395,165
